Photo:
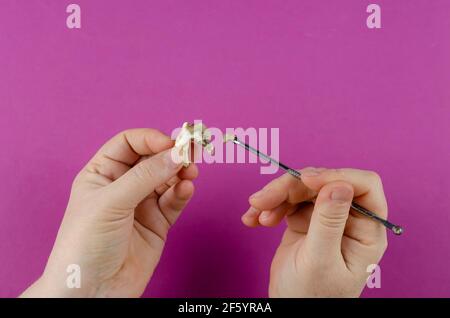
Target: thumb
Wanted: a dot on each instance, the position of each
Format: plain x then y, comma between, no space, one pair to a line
329,217
142,179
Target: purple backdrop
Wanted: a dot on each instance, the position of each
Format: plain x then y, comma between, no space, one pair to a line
342,95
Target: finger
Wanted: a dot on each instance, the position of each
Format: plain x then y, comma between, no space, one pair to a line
285,188
329,217
141,180
163,187
254,217
166,185
250,218
107,168
173,201
129,145
189,173
273,217
117,155
367,186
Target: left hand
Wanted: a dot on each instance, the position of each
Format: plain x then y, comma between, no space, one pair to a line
121,208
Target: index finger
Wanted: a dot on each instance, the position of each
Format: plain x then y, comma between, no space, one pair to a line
129,145
367,185
282,189
124,150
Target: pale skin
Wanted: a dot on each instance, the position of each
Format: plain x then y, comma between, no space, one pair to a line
125,200
325,250
121,207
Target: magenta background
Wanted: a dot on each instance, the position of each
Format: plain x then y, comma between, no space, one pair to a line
343,96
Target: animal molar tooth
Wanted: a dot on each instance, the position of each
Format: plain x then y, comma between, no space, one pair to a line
197,133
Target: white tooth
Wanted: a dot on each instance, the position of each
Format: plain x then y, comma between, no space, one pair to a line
197,133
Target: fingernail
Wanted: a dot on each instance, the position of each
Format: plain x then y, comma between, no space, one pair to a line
313,172
252,211
257,194
264,215
171,159
341,194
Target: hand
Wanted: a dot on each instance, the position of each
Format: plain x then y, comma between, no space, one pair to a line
325,250
121,208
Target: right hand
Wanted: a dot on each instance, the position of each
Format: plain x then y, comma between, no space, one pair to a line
326,249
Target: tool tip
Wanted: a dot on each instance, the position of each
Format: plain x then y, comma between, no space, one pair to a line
398,230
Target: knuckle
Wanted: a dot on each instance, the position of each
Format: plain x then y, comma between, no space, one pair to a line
133,131
305,169
78,179
339,184
374,177
334,220
122,134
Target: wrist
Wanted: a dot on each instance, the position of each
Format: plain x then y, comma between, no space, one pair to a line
55,286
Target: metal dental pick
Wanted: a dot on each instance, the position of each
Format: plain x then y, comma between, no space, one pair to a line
396,229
